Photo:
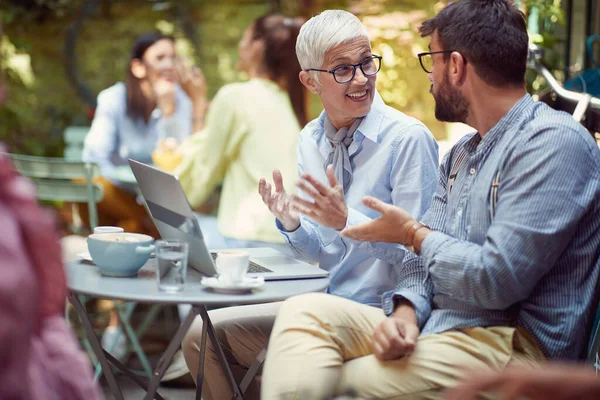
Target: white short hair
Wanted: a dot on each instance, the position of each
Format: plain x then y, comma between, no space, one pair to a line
326,31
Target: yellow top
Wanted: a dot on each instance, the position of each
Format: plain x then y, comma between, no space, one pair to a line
250,130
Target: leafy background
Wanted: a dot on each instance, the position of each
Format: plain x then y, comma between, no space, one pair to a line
44,97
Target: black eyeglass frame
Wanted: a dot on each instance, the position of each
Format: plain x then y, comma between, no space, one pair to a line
429,53
354,66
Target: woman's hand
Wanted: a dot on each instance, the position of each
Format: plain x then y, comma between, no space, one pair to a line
192,81
164,93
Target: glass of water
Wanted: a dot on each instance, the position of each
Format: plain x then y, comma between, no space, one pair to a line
171,264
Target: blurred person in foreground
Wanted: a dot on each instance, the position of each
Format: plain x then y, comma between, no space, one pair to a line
357,146
161,102
40,357
546,382
505,265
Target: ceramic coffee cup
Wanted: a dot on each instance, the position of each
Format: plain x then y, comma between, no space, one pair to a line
108,229
232,266
120,254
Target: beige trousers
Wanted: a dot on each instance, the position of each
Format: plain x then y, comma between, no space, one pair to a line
321,345
242,333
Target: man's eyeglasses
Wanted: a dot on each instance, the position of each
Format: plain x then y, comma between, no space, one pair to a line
426,59
345,73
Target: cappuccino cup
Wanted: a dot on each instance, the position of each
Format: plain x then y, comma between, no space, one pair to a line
120,254
108,229
232,266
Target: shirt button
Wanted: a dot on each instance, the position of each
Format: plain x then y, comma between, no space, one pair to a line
472,171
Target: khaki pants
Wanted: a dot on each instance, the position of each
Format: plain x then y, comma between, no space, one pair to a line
242,333
321,344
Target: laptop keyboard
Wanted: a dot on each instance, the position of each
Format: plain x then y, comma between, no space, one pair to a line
253,268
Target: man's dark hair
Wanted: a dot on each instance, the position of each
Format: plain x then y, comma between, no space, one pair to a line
490,34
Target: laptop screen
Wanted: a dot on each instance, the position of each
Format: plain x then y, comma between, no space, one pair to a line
180,222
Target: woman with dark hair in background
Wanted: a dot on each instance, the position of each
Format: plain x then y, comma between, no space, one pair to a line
251,128
161,99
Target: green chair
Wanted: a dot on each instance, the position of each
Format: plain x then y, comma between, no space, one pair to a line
55,181
54,178
74,137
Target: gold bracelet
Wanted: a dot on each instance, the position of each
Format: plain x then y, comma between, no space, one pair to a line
410,233
414,228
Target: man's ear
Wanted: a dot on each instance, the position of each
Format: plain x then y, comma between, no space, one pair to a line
309,82
138,69
457,68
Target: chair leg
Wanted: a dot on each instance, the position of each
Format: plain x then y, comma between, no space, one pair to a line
124,312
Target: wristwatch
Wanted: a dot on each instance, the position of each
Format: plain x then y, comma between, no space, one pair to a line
410,234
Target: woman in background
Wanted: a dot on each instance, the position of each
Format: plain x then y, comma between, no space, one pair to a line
251,128
161,99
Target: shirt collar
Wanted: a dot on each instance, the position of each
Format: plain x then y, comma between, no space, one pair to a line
507,121
370,125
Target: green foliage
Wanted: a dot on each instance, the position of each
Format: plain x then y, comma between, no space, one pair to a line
548,9
42,101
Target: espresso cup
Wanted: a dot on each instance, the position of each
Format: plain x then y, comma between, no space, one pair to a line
232,266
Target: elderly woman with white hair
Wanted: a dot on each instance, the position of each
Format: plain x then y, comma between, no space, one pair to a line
358,146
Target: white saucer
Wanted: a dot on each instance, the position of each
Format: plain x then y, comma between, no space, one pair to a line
85,255
233,288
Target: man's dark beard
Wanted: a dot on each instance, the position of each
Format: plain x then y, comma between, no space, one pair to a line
450,104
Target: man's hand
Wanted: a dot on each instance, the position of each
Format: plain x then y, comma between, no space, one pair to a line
391,227
394,338
557,382
328,207
279,202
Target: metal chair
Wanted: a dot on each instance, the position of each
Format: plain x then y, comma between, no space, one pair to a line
59,179
55,180
74,137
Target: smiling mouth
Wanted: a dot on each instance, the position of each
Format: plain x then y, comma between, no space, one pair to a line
360,95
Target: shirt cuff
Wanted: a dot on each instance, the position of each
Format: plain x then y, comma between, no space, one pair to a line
355,217
431,245
293,238
419,303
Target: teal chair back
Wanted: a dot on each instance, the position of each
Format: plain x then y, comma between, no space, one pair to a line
55,180
74,137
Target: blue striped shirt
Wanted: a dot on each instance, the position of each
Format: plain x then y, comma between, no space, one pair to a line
536,264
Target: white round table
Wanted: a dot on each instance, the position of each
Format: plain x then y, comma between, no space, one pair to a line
84,278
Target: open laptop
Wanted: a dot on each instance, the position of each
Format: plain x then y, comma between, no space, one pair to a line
174,218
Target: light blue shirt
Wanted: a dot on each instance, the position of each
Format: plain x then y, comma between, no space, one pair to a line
536,264
114,137
394,158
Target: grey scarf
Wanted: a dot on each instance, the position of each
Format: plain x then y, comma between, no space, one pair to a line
339,157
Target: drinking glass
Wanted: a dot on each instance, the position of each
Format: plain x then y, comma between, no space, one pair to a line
171,264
